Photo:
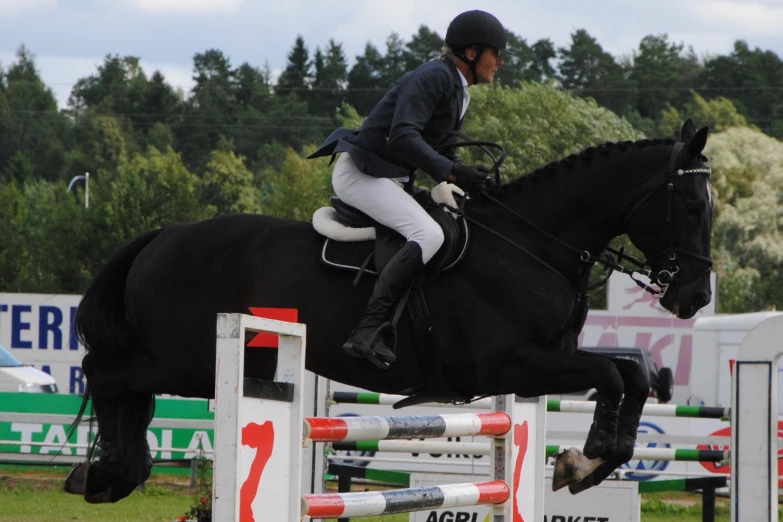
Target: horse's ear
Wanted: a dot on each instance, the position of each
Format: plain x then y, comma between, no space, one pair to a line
688,130
698,142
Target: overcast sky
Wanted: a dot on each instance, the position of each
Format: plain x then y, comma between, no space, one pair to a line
71,37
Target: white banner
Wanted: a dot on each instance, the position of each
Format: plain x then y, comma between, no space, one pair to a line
38,330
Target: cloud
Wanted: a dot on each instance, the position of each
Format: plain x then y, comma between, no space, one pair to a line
15,7
742,16
193,7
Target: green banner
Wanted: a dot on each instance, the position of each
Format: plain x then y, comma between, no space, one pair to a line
37,434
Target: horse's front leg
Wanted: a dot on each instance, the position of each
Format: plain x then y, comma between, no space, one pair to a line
636,387
534,371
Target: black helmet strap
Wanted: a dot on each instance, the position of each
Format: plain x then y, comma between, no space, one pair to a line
471,63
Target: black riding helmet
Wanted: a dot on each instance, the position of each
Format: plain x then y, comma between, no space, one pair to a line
475,28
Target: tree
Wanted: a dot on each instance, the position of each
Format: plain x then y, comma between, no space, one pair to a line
145,192
394,62
227,185
252,91
117,87
14,213
516,66
159,107
366,80
58,241
103,142
211,110
30,123
588,70
298,188
329,82
660,72
718,114
424,46
751,78
296,77
541,69
539,123
748,224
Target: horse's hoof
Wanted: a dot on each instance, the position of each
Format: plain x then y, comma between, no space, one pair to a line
75,482
565,468
106,487
582,485
102,497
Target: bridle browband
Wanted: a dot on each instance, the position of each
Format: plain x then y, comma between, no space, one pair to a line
663,279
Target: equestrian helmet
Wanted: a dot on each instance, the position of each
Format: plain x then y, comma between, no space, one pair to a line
475,28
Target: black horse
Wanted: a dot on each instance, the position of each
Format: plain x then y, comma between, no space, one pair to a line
506,318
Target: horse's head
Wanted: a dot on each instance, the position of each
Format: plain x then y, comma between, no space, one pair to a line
671,223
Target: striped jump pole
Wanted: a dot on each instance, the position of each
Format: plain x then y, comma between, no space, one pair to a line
481,448
386,399
416,446
405,500
686,455
335,429
652,410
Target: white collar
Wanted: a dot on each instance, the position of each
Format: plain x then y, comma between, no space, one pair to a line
464,80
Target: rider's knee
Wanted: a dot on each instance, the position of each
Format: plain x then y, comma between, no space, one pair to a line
431,242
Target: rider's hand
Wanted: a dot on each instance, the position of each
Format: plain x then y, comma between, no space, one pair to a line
470,178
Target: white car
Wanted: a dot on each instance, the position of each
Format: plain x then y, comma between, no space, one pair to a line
18,377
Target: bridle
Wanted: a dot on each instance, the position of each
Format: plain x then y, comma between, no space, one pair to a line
663,279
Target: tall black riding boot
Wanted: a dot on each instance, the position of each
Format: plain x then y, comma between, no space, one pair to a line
375,338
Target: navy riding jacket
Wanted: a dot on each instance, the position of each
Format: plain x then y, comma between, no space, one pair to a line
410,128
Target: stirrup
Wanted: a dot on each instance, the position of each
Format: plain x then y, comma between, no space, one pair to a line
385,335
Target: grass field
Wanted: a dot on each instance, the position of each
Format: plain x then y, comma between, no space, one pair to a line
35,495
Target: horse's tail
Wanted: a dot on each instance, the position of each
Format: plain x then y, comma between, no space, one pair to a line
101,322
102,327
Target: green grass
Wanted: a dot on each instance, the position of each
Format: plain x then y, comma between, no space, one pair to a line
30,504
35,495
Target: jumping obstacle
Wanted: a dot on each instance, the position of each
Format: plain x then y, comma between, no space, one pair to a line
479,448
552,405
405,500
261,429
335,429
754,433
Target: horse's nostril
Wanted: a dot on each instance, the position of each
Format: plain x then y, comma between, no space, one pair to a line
700,300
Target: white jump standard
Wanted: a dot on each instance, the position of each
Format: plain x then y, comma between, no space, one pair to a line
260,431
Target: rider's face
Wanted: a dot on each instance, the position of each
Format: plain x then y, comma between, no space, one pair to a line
487,65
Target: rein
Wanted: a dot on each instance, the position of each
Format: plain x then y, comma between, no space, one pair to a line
663,279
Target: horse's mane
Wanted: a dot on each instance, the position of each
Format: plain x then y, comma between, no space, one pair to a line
584,156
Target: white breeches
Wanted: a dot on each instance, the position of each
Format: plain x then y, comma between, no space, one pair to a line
384,200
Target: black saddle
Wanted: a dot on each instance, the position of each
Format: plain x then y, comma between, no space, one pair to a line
371,256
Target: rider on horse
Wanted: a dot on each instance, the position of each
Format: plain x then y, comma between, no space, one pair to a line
411,128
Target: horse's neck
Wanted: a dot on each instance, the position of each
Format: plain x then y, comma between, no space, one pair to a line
582,206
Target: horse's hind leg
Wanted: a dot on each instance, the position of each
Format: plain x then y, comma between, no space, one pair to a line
124,455
636,387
